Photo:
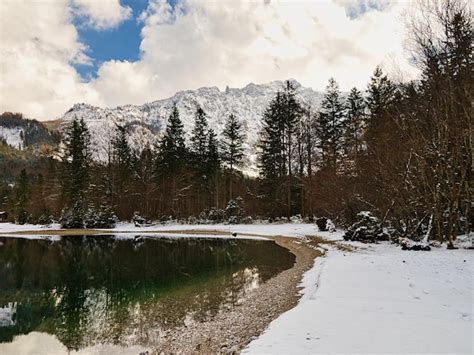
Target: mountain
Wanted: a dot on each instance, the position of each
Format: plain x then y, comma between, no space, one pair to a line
21,133
146,122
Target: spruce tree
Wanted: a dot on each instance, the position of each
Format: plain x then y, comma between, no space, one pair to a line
277,146
232,150
122,153
212,154
172,158
292,112
355,109
213,165
198,155
381,92
331,124
77,162
199,143
121,171
272,156
172,149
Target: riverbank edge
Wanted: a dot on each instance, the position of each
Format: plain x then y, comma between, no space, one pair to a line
232,331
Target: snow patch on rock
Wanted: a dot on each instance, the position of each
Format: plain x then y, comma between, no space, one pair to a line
147,122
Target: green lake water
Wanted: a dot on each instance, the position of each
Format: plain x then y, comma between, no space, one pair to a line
89,290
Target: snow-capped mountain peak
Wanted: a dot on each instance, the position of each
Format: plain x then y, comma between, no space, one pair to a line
146,122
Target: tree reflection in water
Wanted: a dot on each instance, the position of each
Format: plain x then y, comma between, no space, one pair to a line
100,289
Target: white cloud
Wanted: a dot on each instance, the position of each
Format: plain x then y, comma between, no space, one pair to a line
200,43
102,14
38,43
193,44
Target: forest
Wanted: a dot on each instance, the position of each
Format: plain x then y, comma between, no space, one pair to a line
401,150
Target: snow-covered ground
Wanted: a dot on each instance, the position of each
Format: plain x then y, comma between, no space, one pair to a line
13,136
379,300
288,229
12,227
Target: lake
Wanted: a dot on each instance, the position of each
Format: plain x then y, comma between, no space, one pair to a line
100,289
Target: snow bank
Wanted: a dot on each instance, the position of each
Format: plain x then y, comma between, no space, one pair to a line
379,300
6,228
183,236
129,230
288,229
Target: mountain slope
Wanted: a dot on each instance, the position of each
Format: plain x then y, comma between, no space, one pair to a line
146,122
21,133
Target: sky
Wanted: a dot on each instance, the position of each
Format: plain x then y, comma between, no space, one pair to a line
55,53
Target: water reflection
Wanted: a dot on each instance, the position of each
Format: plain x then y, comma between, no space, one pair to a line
99,289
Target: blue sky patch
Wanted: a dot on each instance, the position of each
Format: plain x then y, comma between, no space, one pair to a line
120,43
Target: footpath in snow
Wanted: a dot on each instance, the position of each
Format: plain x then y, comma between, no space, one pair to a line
379,299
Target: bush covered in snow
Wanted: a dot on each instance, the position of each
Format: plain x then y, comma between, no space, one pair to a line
296,219
234,210
94,217
367,229
137,219
325,224
72,217
45,218
102,217
408,244
216,215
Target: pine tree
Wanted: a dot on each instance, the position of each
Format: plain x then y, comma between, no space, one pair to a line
355,109
331,125
121,173
199,142
213,165
272,156
277,150
172,149
232,151
122,153
291,115
381,92
172,159
212,154
77,162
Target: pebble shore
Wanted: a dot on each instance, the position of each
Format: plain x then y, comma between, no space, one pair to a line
230,332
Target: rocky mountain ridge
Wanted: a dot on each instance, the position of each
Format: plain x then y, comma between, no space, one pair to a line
147,122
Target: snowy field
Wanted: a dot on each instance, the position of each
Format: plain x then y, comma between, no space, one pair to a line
379,300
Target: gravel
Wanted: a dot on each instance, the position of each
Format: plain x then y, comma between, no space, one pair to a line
230,332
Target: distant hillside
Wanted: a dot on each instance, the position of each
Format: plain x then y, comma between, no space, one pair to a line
22,133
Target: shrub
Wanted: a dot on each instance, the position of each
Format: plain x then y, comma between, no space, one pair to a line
72,217
102,217
322,224
234,210
367,229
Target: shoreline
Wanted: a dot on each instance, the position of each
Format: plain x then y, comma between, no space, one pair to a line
232,331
